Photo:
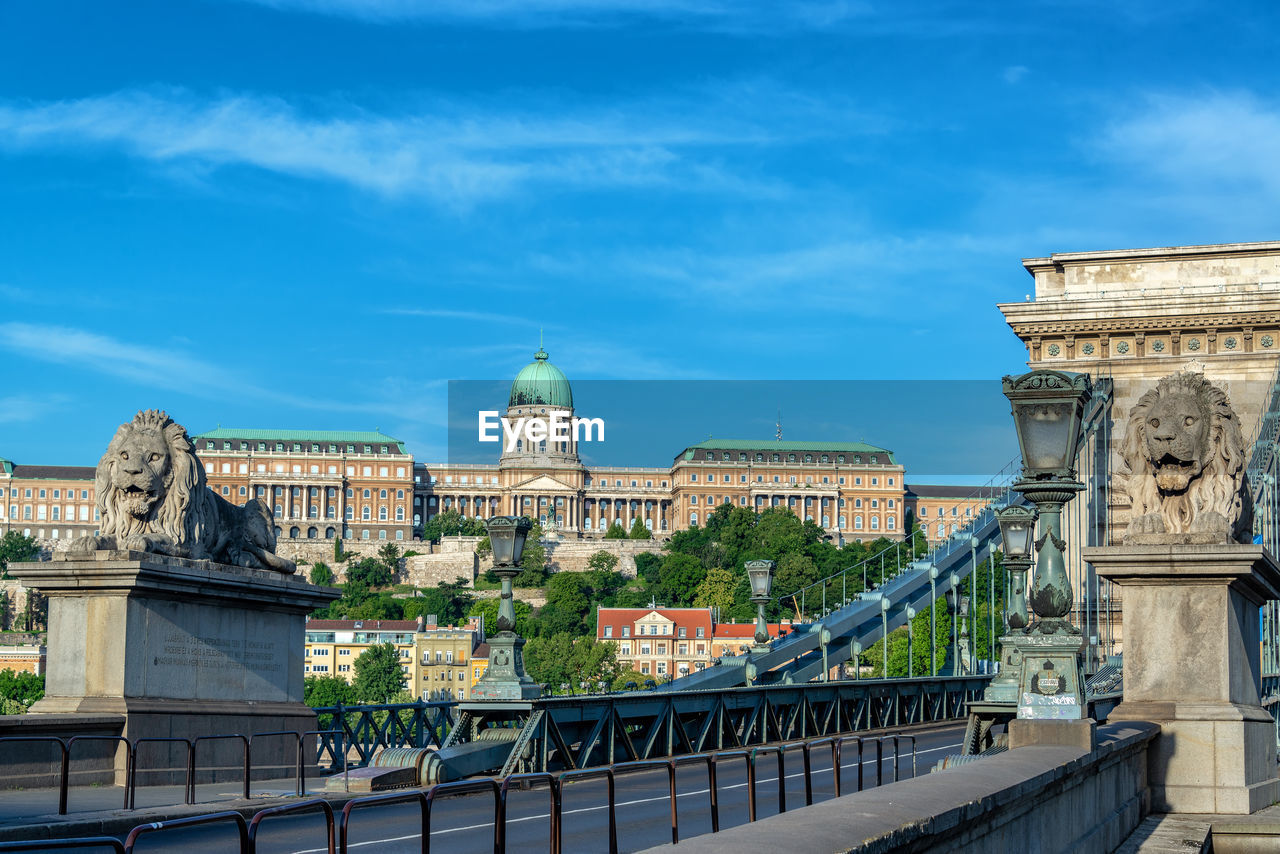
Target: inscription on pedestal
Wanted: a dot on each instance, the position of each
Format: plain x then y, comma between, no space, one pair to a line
213,653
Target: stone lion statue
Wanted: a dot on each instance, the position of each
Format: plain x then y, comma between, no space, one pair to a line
152,496
1186,458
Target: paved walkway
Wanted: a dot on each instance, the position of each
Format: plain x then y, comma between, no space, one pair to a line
1186,833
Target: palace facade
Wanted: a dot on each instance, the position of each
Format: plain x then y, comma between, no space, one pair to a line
322,484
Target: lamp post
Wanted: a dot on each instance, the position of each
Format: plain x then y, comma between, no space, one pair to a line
760,574
911,615
933,620
885,605
505,677
953,609
1017,532
855,652
1048,407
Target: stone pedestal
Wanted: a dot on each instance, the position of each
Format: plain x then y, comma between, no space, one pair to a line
1191,664
505,678
182,649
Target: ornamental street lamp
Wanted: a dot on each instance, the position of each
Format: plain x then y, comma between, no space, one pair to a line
760,574
885,605
505,677
1048,408
1018,531
952,608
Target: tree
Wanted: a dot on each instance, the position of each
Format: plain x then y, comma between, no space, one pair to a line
647,566
451,523
389,554
16,547
568,603
488,608
19,690
35,616
678,579
533,561
370,571
379,676
603,561
449,601
616,531
561,658
716,590
321,574
338,554
329,690
638,531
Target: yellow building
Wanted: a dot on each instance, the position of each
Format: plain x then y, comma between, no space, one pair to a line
435,659
944,510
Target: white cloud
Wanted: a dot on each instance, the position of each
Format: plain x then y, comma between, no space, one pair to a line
1014,73
454,153
1210,139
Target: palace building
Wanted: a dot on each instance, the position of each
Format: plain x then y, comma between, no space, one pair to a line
322,484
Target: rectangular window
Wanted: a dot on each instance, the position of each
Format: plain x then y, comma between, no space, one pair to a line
626,631
608,631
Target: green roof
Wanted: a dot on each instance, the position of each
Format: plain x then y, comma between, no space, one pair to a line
6,466
338,436
766,446
541,382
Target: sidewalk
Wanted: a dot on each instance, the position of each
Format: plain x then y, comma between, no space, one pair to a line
32,814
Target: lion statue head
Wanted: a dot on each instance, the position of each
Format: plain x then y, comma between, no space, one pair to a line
1186,459
147,479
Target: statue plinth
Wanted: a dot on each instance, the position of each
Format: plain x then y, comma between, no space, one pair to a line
505,677
1191,664
181,648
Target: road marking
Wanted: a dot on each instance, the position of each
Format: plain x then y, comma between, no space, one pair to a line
540,816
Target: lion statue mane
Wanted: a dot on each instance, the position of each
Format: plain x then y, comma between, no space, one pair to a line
152,496
1186,459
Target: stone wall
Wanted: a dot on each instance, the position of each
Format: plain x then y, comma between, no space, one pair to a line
572,555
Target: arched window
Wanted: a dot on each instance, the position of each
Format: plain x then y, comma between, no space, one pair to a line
314,512
312,533
364,513
279,510
331,512
351,512
841,522
942,530
857,523
889,523
826,521
399,514
364,534
693,518
382,494
875,523
382,535
382,514
366,493
278,532
293,532
328,533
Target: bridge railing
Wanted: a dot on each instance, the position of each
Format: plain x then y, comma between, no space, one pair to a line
355,733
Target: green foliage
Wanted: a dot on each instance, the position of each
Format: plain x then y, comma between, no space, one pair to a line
35,616
564,659
321,574
716,590
603,561
389,555
638,531
647,566
678,579
450,602
370,571
16,547
488,608
533,560
874,657
327,690
19,690
616,531
378,674
568,603
451,523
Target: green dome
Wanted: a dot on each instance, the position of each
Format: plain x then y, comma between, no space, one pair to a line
541,383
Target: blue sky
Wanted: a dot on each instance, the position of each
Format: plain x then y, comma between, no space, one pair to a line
315,213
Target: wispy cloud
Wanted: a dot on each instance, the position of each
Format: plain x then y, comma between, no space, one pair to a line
1201,139
543,13
455,314
22,407
451,152
161,368
1014,74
